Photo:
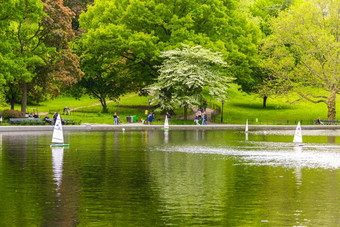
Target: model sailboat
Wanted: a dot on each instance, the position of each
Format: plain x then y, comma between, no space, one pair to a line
298,134
166,123
247,126
58,136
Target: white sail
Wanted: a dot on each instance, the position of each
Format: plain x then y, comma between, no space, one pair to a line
58,136
57,161
166,123
247,125
298,134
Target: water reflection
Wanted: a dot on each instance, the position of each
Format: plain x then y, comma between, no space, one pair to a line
166,136
297,171
269,153
179,178
57,161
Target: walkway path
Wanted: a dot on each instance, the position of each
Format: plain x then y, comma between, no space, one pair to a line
208,111
190,117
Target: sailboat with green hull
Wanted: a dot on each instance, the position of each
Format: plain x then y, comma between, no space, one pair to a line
58,136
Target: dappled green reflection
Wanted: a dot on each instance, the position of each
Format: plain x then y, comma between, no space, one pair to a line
157,178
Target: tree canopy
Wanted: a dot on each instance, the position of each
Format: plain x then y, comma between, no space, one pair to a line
35,57
138,31
303,51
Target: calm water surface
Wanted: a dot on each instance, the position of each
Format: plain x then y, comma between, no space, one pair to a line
177,178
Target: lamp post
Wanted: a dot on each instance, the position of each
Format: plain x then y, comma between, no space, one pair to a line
147,116
149,105
222,112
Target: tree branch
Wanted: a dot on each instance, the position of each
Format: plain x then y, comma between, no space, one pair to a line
306,97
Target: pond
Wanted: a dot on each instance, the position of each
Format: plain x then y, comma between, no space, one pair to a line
177,178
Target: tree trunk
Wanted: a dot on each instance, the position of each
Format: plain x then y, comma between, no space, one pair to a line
24,97
264,101
185,112
103,102
12,102
331,105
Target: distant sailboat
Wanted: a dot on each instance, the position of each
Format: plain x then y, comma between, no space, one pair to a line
298,134
166,123
58,136
247,125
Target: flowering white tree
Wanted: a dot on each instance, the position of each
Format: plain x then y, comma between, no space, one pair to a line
189,75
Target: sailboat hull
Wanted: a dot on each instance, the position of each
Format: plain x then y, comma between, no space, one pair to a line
59,145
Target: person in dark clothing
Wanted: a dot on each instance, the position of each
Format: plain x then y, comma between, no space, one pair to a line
205,118
55,116
48,120
151,117
319,121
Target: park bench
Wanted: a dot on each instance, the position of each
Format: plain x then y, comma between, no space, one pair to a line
327,122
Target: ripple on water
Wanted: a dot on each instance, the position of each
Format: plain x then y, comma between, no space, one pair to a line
270,153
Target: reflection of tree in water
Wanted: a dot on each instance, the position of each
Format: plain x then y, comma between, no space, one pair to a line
67,187
331,139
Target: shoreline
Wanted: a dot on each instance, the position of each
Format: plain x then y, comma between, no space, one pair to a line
138,127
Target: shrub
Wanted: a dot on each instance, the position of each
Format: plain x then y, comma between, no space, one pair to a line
6,114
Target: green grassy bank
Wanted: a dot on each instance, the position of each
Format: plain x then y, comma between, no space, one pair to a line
236,110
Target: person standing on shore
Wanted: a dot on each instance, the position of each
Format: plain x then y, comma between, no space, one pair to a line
151,117
168,115
55,116
115,118
205,118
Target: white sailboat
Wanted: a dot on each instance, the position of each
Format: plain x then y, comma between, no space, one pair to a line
247,125
298,134
58,136
166,123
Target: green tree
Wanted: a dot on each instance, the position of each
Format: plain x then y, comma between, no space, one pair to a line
62,69
187,75
261,12
138,31
34,52
303,51
103,80
22,48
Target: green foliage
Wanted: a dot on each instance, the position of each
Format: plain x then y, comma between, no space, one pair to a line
134,33
302,52
22,49
103,80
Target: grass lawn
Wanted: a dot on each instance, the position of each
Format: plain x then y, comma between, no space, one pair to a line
241,107
236,110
